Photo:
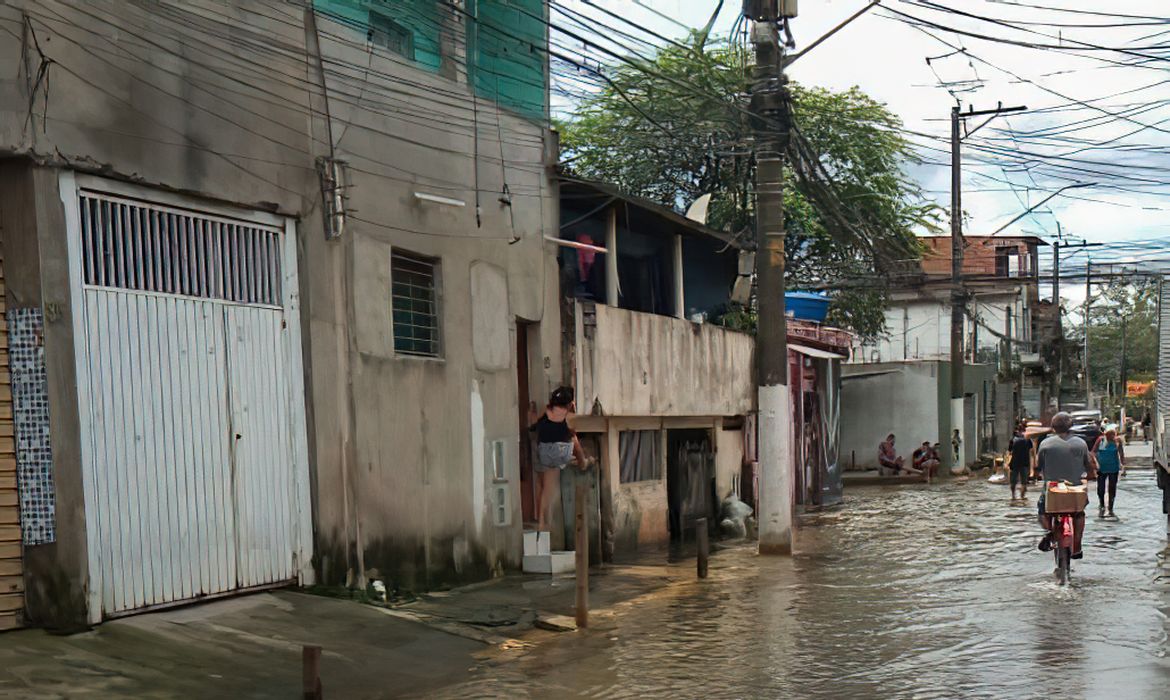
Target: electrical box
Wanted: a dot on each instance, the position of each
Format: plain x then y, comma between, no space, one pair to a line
769,10
501,505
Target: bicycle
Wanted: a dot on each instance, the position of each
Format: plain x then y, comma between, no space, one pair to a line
1061,536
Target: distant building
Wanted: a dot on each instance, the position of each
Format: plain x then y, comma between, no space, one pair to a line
1010,343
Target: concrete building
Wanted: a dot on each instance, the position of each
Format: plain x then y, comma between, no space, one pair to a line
1009,342
664,394
275,280
912,400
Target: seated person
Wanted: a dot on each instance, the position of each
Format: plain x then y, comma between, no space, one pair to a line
888,460
926,459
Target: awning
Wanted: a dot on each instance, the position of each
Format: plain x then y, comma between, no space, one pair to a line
814,352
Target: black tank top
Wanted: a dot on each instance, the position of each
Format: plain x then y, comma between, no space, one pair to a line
552,431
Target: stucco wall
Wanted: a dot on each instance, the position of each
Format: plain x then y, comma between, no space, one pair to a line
893,397
919,328
728,461
216,100
640,364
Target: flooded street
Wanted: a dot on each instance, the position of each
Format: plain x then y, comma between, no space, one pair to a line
916,592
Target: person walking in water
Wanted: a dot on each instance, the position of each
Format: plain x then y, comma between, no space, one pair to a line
1020,463
1110,454
556,447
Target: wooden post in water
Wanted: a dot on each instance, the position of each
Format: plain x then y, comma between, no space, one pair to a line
311,672
582,556
701,539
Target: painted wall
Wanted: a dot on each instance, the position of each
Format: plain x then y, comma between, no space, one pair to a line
639,364
398,445
728,461
36,274
919,327
891,397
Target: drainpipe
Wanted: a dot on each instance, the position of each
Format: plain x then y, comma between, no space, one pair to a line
679,298
611,266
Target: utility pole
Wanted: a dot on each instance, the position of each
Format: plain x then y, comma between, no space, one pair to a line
1088,301
1056,277
1124,368
771,122
958,295
769,106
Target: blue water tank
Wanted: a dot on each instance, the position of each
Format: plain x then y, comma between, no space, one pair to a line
807,306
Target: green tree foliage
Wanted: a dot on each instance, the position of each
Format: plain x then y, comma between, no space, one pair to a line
1129,309
678,128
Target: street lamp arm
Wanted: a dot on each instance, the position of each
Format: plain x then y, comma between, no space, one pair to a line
831,32
1042,202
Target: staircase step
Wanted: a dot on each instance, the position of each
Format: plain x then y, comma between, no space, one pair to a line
537,543
551,563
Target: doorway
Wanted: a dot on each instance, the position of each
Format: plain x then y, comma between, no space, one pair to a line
690,480
525,404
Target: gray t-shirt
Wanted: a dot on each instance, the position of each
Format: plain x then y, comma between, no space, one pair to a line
1063,460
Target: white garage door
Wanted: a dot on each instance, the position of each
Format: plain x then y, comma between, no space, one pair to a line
192,407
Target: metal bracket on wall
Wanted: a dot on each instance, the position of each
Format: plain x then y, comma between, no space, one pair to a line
589,319
331,172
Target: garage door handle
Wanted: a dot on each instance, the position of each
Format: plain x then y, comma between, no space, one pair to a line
238,436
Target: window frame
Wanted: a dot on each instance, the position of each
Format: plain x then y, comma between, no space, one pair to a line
401,29
657,435
437,303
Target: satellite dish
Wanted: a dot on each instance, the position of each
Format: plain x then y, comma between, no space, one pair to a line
698,209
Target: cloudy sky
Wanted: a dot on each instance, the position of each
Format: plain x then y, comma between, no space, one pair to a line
1098,94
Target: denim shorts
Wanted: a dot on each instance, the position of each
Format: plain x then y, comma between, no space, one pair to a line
553,455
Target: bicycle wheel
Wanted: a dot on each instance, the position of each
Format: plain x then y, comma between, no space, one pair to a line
1063,559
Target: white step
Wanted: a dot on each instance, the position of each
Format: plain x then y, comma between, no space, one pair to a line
536,543
551,563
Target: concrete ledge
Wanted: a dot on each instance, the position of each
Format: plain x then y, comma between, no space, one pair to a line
872,478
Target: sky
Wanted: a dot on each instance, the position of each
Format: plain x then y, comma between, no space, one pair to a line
1125,159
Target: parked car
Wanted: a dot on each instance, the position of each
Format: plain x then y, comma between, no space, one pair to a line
1087,426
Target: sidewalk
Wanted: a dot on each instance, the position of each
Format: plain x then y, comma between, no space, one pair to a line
250,647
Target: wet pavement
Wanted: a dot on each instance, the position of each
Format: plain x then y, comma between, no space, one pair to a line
907,592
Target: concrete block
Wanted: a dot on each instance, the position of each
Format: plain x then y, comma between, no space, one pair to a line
552,563
537,543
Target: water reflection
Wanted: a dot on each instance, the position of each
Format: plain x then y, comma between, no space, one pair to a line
932,592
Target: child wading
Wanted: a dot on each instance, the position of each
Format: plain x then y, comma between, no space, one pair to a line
556,447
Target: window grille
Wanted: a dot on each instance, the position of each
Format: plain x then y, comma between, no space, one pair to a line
140,246
414,305
390,35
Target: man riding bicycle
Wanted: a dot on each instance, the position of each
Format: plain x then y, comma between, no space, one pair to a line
1063,457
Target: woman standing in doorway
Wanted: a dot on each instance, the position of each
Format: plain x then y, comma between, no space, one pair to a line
556,446
1110,454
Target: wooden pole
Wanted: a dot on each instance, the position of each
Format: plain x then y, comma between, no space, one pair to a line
582,556
704,547
311,672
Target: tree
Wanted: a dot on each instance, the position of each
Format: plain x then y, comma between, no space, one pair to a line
678,128
1126,308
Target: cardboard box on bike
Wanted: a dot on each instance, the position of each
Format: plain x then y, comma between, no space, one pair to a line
1062,498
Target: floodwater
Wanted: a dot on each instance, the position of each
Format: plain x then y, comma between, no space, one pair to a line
912,592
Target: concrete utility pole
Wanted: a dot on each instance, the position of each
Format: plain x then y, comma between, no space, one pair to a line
958,295
769,105
771,121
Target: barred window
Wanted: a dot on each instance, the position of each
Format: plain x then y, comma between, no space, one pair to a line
415,304
147,247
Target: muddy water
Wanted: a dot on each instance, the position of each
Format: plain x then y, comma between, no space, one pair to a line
922,592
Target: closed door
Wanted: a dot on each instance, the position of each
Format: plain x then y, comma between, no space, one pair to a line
195,473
